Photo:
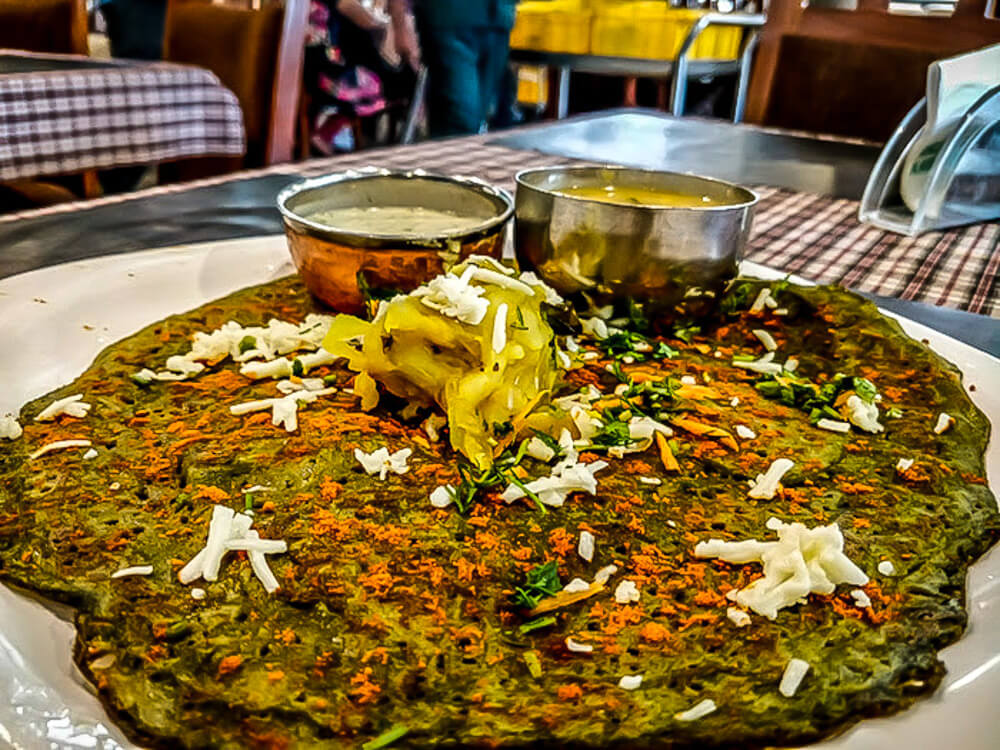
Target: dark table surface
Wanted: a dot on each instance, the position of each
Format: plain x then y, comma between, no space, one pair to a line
245,207
713,148
12,63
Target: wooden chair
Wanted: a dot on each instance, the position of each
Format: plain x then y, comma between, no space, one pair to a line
258,55
854,72
58,26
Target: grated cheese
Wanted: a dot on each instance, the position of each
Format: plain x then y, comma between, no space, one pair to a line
454,297
500,328
604,574
381,462
765,338
886,568
585,547
576,586
90,455
861,598
738,617
688,380
228,531
903,465
833,425
486,276
630,681
791,364
766,485
571,345
442,496
284,410
764,365
10,429
551,295
862,414
745,432
763,297
944,423
626,592
135,570
801,562
651,480
71,406
595,327
538,450
197,593
795,670
578,648
697,711
58,445
735,401
567,476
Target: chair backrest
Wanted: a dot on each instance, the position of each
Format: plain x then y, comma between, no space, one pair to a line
854,72
256,53
58,26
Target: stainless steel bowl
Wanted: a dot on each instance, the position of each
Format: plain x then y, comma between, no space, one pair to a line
335,263
657,253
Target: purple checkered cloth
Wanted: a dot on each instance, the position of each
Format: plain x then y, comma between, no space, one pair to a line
67,121
817,237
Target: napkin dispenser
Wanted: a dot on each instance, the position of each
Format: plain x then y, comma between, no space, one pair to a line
941,167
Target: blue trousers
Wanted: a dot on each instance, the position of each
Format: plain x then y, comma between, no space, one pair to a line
465,67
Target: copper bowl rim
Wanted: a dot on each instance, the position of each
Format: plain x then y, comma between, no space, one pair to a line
376,241
519,179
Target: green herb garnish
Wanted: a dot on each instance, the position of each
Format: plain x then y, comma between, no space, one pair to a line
298,370
542,581
686,333
247,343
613,433
397,732
537,624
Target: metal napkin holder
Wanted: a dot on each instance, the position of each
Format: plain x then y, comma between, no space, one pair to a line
963,186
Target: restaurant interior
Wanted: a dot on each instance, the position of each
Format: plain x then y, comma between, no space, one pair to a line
158,155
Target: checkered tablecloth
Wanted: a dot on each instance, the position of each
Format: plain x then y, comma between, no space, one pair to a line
67,121
816,237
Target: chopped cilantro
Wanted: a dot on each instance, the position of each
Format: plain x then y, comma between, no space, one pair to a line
636,316
865,389
247,343
536,624
894,413
298,370
663,350
520,320
330,380
737,299
397,732
248,501
542,581
686,333
613,433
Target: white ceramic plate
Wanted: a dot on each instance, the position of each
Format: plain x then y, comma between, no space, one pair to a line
54,322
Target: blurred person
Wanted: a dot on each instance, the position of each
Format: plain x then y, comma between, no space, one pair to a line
464,44
359,58
135,27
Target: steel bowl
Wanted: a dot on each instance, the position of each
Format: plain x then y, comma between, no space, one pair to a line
337,264
650,252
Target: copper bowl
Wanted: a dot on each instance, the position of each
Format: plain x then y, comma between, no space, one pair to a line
337,264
